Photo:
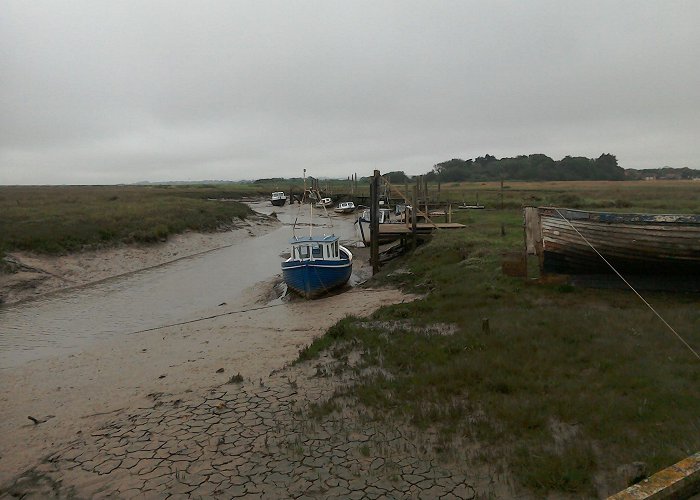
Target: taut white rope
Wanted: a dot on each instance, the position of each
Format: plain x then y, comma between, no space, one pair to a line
628,284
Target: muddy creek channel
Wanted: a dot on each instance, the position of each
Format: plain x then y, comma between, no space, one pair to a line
179,291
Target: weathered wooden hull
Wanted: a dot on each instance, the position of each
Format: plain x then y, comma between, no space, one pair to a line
633,243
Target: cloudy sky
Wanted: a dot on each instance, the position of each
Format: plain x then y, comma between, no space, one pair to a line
101,92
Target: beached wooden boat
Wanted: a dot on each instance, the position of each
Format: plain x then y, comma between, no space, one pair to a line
278,198
345,207
633,243
318,264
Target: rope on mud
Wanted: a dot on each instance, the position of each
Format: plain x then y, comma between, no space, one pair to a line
269,306
214,316
630,286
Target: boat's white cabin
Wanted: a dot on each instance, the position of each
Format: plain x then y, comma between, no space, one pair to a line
384,215
314,249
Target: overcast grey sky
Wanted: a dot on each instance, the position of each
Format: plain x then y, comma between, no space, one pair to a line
96,92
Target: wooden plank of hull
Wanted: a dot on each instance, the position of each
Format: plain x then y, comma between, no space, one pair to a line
631,242
683,251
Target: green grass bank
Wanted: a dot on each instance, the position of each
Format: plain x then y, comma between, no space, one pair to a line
566,385
59,219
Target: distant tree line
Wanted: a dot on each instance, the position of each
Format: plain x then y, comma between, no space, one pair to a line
684,173
535,167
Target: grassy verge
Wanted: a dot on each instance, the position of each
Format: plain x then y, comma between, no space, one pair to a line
565,384
60,219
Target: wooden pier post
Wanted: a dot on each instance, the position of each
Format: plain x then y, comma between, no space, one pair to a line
374,222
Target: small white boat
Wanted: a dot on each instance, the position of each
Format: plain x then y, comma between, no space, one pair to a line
363,226
345,207
324,202
278,198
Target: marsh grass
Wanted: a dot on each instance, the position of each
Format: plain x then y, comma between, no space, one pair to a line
595,361
58,219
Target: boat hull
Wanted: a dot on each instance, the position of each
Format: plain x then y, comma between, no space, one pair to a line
279,202
632,243
312,279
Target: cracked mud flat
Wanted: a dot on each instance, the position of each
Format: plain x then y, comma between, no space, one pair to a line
253,439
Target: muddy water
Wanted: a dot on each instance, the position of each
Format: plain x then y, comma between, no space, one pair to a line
180,291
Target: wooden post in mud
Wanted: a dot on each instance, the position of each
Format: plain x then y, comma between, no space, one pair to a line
501,192
374,222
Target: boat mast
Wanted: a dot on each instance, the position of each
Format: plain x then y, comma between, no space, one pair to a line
311,208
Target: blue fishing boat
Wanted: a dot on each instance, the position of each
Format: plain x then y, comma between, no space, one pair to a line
317,265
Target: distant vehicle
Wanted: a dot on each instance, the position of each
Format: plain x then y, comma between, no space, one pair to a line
345,207
278,198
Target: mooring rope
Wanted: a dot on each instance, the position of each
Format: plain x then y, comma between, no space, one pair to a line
630,286
268,306
240,311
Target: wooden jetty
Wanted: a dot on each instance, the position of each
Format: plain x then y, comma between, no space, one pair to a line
400,229
410,228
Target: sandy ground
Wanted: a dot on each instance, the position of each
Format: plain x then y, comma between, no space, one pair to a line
75,394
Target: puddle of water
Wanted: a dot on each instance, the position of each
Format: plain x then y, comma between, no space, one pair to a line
180,291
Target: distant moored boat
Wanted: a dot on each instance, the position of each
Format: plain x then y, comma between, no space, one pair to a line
345,207
278,198
324,202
